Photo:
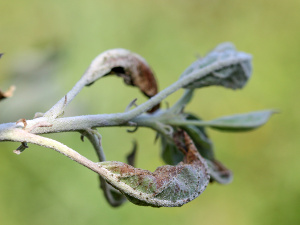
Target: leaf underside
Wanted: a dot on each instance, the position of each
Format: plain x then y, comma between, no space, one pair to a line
241,122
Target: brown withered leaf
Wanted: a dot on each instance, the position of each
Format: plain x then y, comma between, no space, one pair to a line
134,70
167,186
7,93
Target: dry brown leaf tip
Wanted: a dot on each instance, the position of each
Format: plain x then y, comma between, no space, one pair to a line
133,68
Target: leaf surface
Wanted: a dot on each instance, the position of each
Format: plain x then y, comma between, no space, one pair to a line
167,186
241,122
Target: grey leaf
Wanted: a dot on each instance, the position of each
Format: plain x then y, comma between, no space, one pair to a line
230,68
241,122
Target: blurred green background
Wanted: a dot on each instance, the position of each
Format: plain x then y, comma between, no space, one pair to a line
49,44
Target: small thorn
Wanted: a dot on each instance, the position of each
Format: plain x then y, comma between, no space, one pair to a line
82,137
132,103
156,137
134,129
24,145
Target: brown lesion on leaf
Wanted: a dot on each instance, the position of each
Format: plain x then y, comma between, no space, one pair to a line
162,177
8,93
135,72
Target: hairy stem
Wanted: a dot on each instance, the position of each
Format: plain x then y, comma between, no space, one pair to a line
80,123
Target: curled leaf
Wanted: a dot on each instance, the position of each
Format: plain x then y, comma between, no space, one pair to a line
218,172
7,93
232,68
167,186
114,197
134,70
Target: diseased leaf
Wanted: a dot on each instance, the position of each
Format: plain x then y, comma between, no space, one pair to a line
218,172
134,70
241,122
167,186
232,68
169,150
170,154
114,197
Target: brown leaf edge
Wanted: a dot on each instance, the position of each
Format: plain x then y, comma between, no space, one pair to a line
133,68
167,186
8,93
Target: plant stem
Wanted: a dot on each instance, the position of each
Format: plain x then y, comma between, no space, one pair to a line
58,108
